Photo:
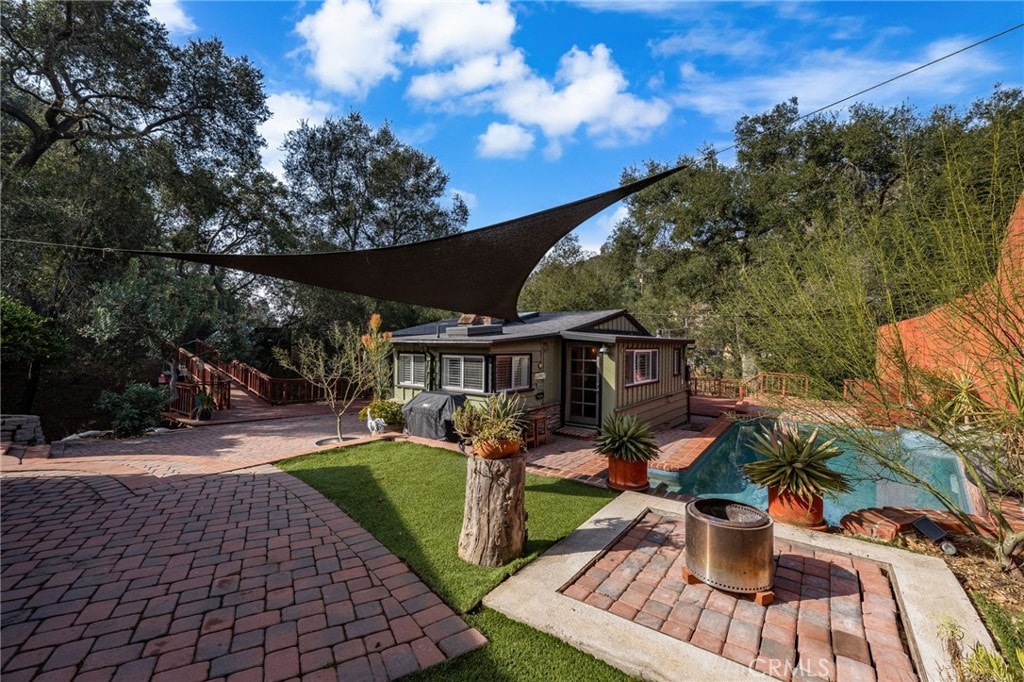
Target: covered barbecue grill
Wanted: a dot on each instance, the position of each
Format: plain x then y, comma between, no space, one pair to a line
429,414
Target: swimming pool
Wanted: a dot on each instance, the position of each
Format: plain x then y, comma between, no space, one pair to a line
718,473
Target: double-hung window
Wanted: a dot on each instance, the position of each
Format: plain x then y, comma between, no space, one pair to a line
511,372
412,370
463,372
641,366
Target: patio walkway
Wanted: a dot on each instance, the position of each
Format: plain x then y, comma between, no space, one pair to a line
194,560
185,556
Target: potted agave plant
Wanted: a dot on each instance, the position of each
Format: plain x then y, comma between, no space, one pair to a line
494,429
629,445
795,470
205,406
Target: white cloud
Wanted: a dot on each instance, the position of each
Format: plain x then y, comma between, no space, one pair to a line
286,110
473,75
170,14
451,31
588,91
602,227
461,59
352,47
505,141
714,41
824,76
593,95
468,197
355,44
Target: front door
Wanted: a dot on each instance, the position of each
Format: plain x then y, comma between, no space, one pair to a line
583,389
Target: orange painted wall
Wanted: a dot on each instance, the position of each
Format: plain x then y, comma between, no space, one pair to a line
970,336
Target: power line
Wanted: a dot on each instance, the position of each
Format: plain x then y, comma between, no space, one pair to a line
713,152
885,82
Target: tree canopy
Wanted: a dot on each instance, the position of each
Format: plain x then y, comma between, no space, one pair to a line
106,71
694,249
114,137
354,187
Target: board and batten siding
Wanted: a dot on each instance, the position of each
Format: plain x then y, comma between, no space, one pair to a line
661,402
617,324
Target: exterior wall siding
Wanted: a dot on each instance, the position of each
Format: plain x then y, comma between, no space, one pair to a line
664,401
618,324
666,411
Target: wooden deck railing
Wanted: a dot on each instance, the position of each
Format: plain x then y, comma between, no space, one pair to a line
202,376
777,383
210,375
773,383
272,390
714,387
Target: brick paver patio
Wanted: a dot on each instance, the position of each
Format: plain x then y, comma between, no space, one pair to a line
834,617
172,568
184,555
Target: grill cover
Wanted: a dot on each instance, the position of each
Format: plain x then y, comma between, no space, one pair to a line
429,414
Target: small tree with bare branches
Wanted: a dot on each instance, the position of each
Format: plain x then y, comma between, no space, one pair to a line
338,365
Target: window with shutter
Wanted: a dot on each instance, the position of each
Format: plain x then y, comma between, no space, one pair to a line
641,366
463,372
452,377
412,370
473,374
521,372
511,372
502,372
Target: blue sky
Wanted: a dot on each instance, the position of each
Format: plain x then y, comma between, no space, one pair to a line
531,104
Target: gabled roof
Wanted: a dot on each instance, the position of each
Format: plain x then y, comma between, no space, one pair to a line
604,325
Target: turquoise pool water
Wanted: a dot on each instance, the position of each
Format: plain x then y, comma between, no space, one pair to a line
718,474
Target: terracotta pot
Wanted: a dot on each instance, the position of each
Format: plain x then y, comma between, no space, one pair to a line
787,507
624,475
496,449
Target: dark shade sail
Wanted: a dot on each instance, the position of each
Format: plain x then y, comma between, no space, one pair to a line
480,271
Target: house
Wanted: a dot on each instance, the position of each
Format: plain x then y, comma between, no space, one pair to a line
575,368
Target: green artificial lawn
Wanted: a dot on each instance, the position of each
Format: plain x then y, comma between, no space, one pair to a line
410,497
517,652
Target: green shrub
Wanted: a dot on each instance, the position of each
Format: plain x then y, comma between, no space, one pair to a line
134,410
627,438
388,410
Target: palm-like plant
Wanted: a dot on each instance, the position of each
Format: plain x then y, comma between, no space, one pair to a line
626,438
499,419
795,463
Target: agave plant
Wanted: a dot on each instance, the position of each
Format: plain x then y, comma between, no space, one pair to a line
795,463
626,438
499,419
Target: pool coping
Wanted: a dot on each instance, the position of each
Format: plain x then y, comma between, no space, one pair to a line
925,589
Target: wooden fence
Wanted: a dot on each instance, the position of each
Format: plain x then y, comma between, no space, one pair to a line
765,383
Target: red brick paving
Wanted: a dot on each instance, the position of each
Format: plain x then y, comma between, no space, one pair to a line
833,617
165,566
266,586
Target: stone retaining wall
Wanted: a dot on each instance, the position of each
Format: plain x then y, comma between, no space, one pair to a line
21,429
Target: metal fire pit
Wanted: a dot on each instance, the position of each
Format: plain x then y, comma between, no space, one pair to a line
729,545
